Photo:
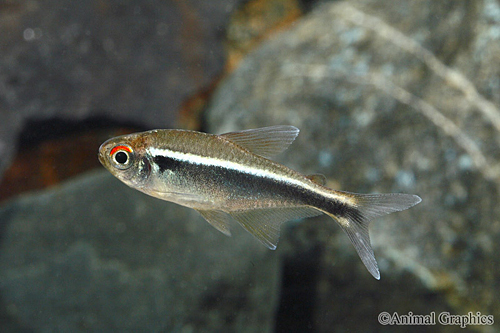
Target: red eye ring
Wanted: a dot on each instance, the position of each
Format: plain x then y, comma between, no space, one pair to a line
115,149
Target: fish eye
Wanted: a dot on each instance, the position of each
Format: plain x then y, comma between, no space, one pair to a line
121,157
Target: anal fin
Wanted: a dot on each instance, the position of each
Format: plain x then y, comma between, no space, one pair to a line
265,223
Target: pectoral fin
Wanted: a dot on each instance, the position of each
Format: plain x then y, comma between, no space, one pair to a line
176,196
265,224
265,141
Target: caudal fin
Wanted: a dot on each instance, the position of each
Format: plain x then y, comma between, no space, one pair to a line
354,220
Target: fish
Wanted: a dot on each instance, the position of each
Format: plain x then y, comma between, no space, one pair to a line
231,177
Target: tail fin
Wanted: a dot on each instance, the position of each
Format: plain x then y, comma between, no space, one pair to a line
355,219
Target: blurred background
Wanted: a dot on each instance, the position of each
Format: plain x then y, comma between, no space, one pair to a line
389,97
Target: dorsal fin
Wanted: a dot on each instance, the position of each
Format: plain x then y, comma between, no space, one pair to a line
317,178
265,141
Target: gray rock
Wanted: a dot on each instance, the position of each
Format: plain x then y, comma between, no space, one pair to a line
390,97
96,255
131,61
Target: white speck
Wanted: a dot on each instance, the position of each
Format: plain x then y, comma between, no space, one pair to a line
325,159
364,118
465,162
405,178
30,34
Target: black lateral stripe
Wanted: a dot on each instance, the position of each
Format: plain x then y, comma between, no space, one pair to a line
231,182
341,209
167,163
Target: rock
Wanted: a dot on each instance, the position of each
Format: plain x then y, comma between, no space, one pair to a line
254,21
132,62
389,97
97,255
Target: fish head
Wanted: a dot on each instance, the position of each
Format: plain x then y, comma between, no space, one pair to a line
125,157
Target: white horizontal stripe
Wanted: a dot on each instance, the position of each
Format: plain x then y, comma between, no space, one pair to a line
210,161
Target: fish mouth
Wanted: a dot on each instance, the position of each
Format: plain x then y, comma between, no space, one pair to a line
101,153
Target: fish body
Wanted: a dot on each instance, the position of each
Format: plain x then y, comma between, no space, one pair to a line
231,177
